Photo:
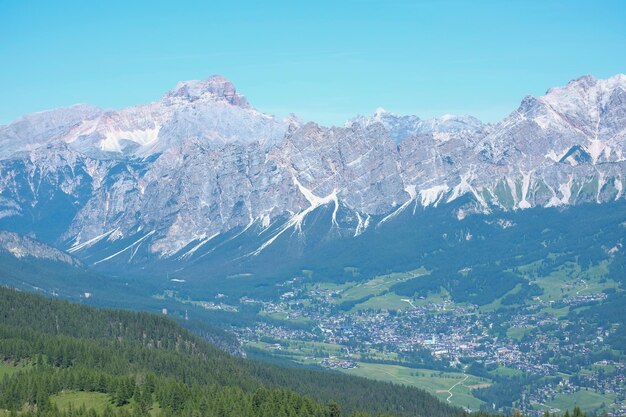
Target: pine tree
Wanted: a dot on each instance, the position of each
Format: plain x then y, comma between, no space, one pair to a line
333,409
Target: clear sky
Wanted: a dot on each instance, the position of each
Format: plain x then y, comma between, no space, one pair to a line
322,60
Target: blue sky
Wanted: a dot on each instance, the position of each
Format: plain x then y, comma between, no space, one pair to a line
323,60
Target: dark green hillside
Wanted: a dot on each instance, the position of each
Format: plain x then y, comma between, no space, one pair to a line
142,363
66,280
432,238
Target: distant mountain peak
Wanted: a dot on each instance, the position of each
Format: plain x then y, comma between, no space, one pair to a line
584,80
380,111
589,82
401,127
215,87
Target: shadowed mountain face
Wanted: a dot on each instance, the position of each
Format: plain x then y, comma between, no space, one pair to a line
201,172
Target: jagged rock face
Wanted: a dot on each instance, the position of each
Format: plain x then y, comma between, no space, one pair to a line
358,164
201,161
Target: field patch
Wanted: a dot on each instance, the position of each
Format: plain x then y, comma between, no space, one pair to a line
452,386
96,401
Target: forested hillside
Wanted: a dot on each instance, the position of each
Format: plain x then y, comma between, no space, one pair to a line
143,364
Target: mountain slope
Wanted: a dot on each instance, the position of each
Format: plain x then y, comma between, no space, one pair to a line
28,264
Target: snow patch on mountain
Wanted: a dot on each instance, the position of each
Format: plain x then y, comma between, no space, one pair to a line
132,245
433,195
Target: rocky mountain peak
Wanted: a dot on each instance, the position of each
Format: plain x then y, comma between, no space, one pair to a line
583,81
215,87
586,88
380,113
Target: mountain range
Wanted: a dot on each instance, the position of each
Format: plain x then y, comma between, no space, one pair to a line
201,174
